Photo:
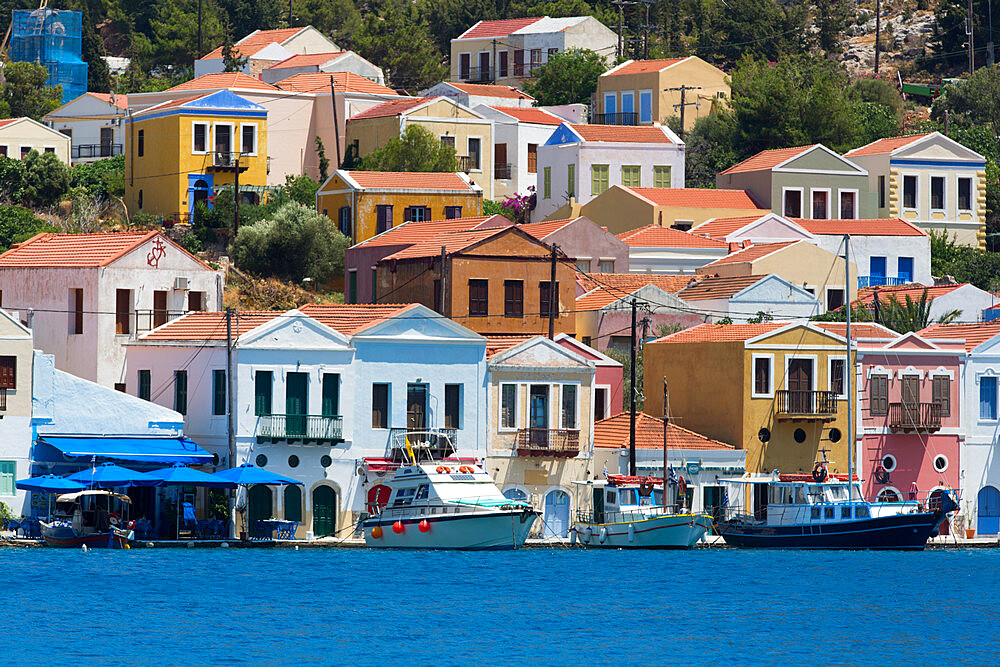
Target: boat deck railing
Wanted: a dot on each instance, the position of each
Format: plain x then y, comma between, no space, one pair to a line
626,516
458,506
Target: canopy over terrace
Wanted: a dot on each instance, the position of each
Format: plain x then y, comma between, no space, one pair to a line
165,450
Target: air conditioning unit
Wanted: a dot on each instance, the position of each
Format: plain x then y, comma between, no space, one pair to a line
182,283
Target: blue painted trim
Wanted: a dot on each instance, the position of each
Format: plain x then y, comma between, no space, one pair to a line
182,111
563,134
932,163
192,178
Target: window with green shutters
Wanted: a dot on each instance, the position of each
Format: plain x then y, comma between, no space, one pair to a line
218,392
547,183
352,286
181,392
631,176
571,180
331,394
598,178
374,286
8,469
661,176
144,385
263,381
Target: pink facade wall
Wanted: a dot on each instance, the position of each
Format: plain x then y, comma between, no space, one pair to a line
612,376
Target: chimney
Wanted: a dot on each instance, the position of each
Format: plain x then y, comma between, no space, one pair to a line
734,246
747,243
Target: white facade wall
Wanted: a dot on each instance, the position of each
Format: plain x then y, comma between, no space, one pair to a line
84,118
517,136
863,248
348,62
671,260
969,299
980,465
15,424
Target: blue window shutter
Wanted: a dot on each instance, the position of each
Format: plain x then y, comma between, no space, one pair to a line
877,266
987,398
905,269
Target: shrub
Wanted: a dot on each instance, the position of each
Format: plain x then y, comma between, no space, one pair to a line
19,224
46,178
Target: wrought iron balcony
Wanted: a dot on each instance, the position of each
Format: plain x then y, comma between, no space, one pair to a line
307,428
85,151
476,75
556,442
226,161
616,118
467,163
882,281
796,404
525,69
502,171
147,320
426,443
914,417
3,399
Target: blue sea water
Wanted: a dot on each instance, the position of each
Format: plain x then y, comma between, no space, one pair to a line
535,606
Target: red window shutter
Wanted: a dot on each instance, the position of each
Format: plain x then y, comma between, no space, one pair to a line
406,214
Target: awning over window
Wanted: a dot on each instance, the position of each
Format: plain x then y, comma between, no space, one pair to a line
151,450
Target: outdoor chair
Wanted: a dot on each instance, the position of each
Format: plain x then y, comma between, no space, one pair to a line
287,530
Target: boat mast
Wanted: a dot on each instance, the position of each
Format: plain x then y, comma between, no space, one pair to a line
631,426
666,419
849,370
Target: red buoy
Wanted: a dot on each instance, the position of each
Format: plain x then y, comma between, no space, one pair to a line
398,527
424,526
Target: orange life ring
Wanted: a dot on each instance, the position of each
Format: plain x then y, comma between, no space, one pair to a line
443,470
646,487
466,469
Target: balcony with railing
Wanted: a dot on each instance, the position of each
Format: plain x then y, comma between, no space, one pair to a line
468,163
476,75
616,118
317,429
427,444
883,281
3,399
226,161
87,151
525,69
502,172
147,320
925,417
798,404
554,442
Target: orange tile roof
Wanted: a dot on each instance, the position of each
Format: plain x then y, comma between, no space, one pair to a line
718,288
254,42
720,228
531,115
75,250
720,333
858,329
542,229
319,82
655,236
486,90
391,108
409,233
866,295
599,298
697,197
863,227
767,159
349,319
497,344
307,60
410,180
223,80
642,134
614,433
626,283
645,66
500,28
751,254
120,101
974,335
883,146
452,242
8,121
209,326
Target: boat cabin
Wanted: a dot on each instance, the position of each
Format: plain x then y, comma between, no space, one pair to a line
441,488
624,498
93,511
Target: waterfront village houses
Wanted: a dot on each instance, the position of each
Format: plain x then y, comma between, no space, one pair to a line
182,152
776,390
579,162
639,92
323,395
84,295
930,180
468,132
20,136
911,430
366,203
266,48
94,123
15,408
508,51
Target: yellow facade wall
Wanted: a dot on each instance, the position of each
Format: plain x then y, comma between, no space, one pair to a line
621,211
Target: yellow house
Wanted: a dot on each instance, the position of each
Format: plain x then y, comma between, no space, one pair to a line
469,133
647,91
775,389
184,151
367,203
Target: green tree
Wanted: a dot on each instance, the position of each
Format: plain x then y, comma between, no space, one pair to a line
711,146
232,61
950,43
763,29
25,93
879,91
46,178
398,39
873,121
245,16
101,178
569,77
11,179
416,150
175,27
19,224
338,19
296,243
301,189
324,161
830,20
963,263
98,74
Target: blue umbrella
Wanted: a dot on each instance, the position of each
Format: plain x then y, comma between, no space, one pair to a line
49,484
180,475
251,474
111,475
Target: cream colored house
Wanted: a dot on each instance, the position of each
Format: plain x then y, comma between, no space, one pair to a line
470,133
20,136
639,92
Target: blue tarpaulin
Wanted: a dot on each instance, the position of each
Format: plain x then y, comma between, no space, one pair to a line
151,450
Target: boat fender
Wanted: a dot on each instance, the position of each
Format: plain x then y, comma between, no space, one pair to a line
224,545
398,527
603,535
587,534
646,487
190,545
819,473
84,548
631,533
376,533
466,469
424,526
441,470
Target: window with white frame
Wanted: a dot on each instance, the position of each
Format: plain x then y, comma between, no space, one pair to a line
910,191
569,395
820,203
791,204
848,204
937,193
763,376
248,139
508,406
199,138
988,397
964,193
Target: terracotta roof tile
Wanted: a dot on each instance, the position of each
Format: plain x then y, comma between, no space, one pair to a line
642,134
645,66
254,42
391,108
500,28
767,159
614,433
223,80
411,180
497,344
974,335
718,288
883,146
627,283
542,229
720,228
307,60
858,329
751,254
863,227
655,236
697,197
209,326
75,250
531,115
866,295
350,319
486,90
409,233
720,333
598,298
319,82
9,121
120,101
452,242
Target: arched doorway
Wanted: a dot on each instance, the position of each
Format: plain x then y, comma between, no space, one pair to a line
260,505
378,497
934,503
988,511
888,495
556,514
293,503
200,193
324,511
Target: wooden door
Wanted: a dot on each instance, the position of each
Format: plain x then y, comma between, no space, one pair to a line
484,67
296,400
988,511
259,505
416,407
800,373
159,308
911,400
107,139
324,511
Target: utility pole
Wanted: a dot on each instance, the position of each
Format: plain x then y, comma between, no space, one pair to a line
289,13
631,425
621,4
683,88
236,198
553,291
646,27
493,63
878,31
230,432
444,258
336,121
848,372
972,42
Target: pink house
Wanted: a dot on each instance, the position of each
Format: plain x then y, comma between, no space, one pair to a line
609,381
910,425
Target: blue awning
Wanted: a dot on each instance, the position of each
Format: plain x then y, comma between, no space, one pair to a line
151,450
